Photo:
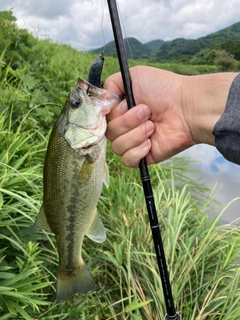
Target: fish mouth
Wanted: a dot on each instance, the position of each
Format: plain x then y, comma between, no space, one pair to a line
94,92
87,87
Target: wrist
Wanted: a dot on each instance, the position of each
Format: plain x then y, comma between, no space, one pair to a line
204,99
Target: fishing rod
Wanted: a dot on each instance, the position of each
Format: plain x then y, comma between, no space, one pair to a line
145,177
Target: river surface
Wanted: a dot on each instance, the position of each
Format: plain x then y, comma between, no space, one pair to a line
219,175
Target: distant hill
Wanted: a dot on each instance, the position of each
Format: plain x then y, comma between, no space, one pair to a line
181,47
175,49
155,44
134,49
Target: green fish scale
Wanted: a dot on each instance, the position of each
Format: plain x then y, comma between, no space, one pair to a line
69,204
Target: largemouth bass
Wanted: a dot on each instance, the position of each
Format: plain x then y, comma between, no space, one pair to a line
74,173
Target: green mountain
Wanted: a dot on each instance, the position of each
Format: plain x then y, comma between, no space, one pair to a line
155,44
175,49
181,47
134,49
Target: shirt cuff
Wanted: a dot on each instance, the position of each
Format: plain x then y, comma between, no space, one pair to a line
227,129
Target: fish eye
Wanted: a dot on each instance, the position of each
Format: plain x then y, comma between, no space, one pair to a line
76,103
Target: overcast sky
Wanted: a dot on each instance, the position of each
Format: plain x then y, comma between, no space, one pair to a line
85,24
82,23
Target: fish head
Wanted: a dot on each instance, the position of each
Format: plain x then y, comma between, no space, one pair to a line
84,114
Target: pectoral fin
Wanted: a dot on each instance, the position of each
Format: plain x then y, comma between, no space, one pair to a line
97,231
106,175
86,172
41,220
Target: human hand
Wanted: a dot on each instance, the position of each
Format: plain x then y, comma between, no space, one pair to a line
172,113
156,128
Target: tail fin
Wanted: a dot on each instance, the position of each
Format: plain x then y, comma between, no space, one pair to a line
68,285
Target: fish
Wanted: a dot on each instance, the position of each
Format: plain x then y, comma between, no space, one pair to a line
74,172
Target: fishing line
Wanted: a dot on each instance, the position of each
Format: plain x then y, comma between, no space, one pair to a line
103,35
125,33
133,60
128,44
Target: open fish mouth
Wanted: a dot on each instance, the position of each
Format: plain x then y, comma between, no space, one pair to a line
87,87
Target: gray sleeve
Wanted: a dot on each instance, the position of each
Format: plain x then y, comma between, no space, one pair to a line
227,129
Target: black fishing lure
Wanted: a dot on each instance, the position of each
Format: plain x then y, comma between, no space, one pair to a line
94,76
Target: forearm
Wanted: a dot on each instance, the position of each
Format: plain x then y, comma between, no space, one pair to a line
204,100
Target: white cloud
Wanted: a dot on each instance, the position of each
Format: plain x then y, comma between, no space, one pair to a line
80,22
204,154
224,176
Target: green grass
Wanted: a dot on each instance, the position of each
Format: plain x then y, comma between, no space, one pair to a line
202,255
178,67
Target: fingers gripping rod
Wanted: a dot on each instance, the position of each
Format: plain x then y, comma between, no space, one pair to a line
171,313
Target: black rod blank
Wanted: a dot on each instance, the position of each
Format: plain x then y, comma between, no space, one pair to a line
161,260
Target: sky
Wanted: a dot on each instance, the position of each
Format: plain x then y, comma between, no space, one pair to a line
85,24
